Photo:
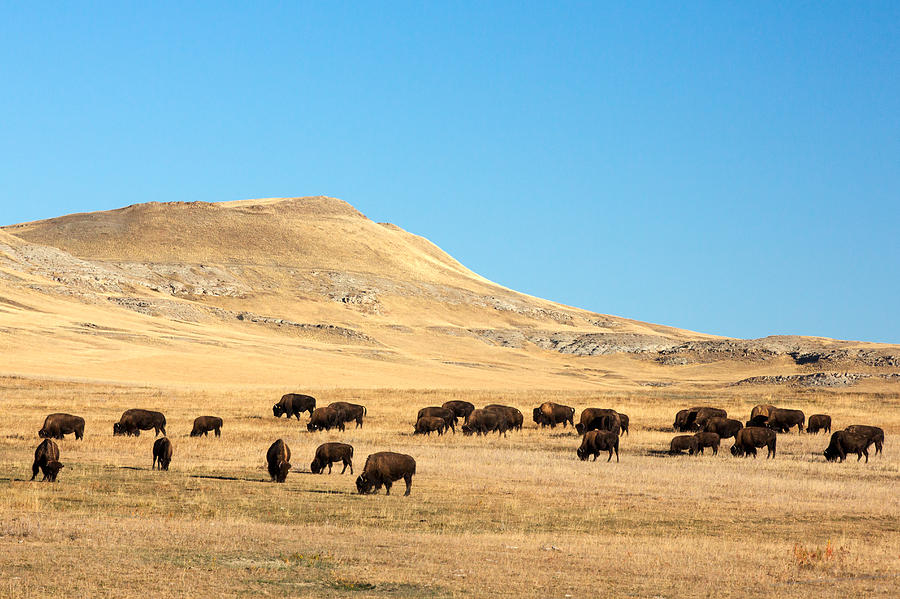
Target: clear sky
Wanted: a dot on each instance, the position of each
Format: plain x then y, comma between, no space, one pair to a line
732,168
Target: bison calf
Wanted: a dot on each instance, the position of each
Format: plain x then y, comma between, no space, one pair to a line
204,424
708,440
818,422
329,453
56,426
162,454
596,441
682,443
278,459
46,458
426,424
384,468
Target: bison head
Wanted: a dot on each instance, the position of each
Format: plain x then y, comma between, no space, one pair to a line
582,453
736,451
311,427
43,434
363,484
830,454
316,467
117,429
277,410
467,430
579,428
53,469
283,468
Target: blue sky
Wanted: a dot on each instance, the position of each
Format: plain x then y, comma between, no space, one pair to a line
732,168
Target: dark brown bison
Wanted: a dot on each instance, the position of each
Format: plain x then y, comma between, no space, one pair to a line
819,422
781,420
56,426
349,412
708,440
682,443
278,459
383,468
428,424
204,424
46,458
693,419
844,442
445,414
623,422
329,453
758,420
762,409
599,419
134,421
325,419
550,414
749,438
873,433
291,404
460,408
596,441
483,422
514,417
162,454
724,427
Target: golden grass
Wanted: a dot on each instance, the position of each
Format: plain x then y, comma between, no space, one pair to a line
510,516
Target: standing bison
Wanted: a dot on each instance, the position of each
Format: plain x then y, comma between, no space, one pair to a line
762,409
483,422
162,454
623,422
348,412
428,424
873,433
134,421
550,414
445,414
781,420
694,419
278,461
461,409
748,439
514,417
329,453
383,468
724,427
596,441
56,426
684,443
599,419
46,459
711,440
204,424
844,442
291,404
819,422
325,419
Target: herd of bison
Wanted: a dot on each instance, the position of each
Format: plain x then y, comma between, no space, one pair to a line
600,429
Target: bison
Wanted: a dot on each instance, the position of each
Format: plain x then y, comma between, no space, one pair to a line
162,454
596,441
758,420
56,426
550,414
328,453
874,433
484,422
514,417
599,419
623,422
278,459
46,459
708,440
761,410
134,421
693,419
781,420
349,412
844,442
383,468
445,414
461,409
204,424
325,419
724,427
291,404
748,439
819,422
426,424
684,442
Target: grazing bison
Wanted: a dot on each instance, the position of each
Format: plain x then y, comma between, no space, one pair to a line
596,441
623,422
328,453
598,419
204,424
781,420
693,419
162,454
748,439
758,420
550,414
762,409
461,409
291,404
684,442
426,424
724,427
514,417
383,468
325,419
819,422
708,440
56,426
484,422
46,458
278,459
844,442
874,433
445,414
349,412
134,421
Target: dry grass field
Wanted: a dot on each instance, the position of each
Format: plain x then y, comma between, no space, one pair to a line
515,516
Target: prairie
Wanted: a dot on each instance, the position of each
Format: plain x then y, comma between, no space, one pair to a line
517,515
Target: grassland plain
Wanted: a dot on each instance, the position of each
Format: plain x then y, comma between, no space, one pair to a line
487,516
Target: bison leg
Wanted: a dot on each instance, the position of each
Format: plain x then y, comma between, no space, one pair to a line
609,459
387,487
218,432
34,470
408,480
